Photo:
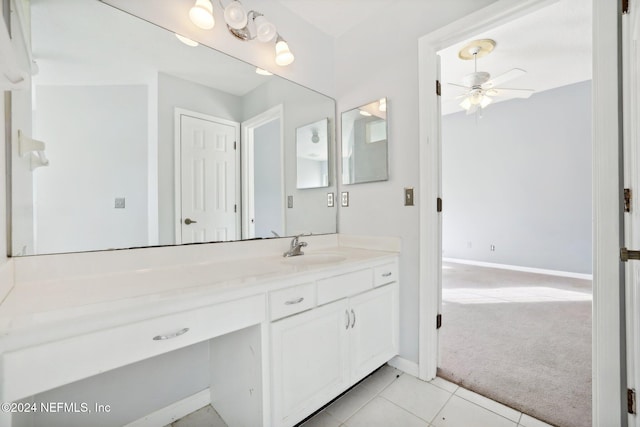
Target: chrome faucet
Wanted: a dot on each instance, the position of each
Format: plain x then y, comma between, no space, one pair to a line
295,246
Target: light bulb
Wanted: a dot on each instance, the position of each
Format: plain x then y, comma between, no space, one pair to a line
485,101
365,113
283,54
265,30
235,15
186,40
201,14
466,104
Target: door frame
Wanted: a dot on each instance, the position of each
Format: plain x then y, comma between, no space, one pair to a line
246,152
178,112
608,308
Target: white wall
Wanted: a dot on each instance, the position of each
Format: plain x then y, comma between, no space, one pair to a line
174,92
520,179
372,63
91,131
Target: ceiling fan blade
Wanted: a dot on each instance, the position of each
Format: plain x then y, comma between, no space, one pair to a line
504,77
454,84
511,93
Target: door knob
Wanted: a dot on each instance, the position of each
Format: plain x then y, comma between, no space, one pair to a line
189,221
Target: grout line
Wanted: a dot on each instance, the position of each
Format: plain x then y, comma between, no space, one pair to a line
405,409
442,408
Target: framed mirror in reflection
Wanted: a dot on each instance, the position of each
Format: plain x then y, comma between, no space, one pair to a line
147,137
364,143
312,155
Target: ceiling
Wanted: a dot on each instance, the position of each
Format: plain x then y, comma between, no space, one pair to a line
552,44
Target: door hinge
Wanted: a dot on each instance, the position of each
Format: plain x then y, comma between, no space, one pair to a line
631,401
235,208
625,7
438,88
439,205
438,321
626,255
627,199
235,145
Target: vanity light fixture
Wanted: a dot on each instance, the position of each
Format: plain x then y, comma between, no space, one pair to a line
245,26
201,14
186,40
283,54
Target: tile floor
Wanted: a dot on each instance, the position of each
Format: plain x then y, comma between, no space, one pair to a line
391,398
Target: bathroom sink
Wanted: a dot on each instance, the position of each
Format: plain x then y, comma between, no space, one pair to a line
315,258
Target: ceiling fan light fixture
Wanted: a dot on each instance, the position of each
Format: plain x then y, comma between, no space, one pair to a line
466,104
201,14
485,101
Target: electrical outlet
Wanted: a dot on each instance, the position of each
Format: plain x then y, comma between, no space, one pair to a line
408,196
119,204
290,202
492,248
330,201
345,199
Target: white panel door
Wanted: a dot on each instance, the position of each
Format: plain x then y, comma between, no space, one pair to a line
309,361
208,180
374,329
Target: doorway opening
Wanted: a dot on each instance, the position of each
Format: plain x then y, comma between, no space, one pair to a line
263,213
516,184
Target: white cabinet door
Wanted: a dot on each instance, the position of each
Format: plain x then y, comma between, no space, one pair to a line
374,332
309,361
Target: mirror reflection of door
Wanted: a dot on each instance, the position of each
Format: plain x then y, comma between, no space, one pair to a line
262,175
208,182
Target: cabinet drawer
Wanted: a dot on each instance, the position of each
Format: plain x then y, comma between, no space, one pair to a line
288,301
384,274
342,286
39,368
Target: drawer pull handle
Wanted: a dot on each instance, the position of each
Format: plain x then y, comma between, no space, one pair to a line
353,323
348,319
168,337
294,301
387,274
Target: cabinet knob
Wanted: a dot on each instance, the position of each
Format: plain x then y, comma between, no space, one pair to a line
387,274
294,301
353,322
347,318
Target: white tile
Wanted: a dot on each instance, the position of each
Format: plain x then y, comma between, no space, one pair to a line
382,413
527,421
381,378
489,404
462,413
444,384
418,397
350,403
323,419
206,416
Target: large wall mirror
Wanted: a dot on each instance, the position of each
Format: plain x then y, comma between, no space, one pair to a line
153,142
364,143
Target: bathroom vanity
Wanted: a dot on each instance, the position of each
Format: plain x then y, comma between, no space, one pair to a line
285,335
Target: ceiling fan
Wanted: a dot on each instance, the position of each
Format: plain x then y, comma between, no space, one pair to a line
479,86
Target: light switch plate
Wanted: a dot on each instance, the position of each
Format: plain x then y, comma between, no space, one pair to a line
330,201
344,199
119,203
290,202
408,196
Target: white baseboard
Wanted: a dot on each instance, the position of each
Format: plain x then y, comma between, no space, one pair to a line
520,268
175,411
405,365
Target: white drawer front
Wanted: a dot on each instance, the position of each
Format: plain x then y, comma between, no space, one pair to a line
35,369
288,301
384,274
344,285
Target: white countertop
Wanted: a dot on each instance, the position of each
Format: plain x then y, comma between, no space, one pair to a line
64,306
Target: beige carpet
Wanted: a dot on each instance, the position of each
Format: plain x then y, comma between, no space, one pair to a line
522,339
